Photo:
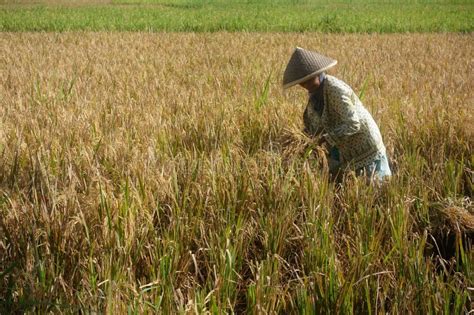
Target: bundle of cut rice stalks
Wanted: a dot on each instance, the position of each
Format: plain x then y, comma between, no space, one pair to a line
295,144
452,224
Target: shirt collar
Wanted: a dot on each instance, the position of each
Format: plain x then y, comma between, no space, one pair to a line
322,76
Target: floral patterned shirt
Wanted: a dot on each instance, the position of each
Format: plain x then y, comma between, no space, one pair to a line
346,124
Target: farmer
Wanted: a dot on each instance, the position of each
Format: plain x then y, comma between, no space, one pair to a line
336,115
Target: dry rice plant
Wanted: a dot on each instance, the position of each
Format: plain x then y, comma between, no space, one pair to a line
296,145
151,173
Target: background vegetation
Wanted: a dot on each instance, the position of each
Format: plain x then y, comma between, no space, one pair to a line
218,15
166,172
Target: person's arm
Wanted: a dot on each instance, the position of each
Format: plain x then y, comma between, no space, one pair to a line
311,128
342,104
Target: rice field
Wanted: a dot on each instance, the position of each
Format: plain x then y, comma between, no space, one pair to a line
167,173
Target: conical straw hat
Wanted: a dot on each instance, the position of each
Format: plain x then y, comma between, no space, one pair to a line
304,65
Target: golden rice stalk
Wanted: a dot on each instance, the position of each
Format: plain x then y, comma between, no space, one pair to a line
296,144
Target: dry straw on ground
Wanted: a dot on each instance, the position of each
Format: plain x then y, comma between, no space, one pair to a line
156,171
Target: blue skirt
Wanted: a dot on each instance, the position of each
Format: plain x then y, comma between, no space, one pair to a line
378,168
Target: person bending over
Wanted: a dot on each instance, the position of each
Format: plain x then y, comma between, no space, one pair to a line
336,115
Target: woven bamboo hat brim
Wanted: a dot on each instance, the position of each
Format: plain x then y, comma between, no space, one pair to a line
304,65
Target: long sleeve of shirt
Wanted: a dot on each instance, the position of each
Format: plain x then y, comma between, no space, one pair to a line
348,122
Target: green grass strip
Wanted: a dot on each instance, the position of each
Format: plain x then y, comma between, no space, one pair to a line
211,16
